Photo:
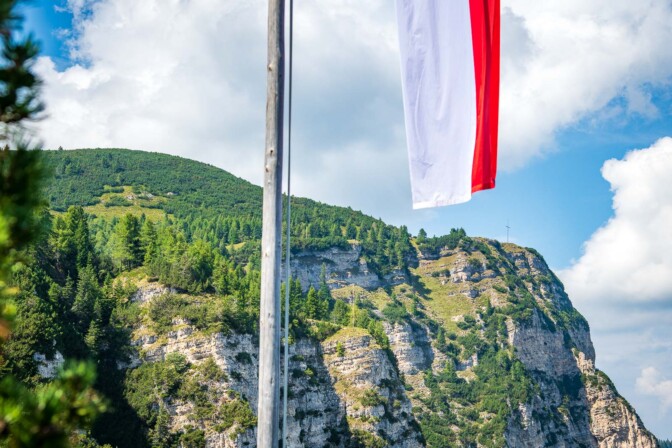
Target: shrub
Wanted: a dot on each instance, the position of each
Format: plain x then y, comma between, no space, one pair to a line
236,411
371,398
211,371
395,312
117,201
500,288
163,309
193,438
474,263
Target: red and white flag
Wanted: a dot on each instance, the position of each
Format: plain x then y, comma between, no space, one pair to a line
450,80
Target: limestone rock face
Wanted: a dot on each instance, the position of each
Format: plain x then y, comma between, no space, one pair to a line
147,292
368,385
47,368
612,420
559,415
343,267
327,393
351,389
411,347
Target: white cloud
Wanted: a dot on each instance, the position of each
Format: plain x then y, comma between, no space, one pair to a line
651,382
565,60
629,260
188,77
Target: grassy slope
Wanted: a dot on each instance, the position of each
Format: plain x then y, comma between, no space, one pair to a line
83,176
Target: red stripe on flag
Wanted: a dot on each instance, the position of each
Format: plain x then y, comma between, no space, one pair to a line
485,37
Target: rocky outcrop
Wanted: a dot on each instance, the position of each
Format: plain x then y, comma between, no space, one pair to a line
48,368
342,267
347,389
333,399
558,416
147,292
613,421
367,383
411,346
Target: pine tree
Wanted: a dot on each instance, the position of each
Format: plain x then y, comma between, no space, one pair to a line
311,306
93,336
78,229
341,313
126,251
48,415
88,294
64,250
148,243
350,230
160,435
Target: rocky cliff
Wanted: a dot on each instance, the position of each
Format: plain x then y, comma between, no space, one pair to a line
479,346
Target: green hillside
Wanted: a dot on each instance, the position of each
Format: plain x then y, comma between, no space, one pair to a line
179,186
81,177
208,203
437,311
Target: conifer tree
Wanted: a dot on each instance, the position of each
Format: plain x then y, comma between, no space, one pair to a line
148,243
126,250
88,294
312,304
78,230
350,230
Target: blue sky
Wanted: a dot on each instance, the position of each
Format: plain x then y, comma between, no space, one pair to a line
581,84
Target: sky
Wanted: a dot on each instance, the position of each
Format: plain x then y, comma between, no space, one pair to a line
585,127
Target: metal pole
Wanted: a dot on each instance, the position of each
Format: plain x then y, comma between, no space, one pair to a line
288,250
269,316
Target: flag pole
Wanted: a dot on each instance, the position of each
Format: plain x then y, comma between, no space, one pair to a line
268,403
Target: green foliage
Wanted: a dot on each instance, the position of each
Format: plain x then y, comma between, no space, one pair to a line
365,439
371,398
117,201
48,415
500,289
211,371
164,309
149,384
322,330
21,175
431,247
219,314
376,329
126,248
500,384
19,97
467,322
474,263
33,332
193,438
236,411
341,313
395,312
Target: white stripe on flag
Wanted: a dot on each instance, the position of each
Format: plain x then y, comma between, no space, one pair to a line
439,91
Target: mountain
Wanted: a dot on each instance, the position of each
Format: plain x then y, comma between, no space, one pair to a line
151,269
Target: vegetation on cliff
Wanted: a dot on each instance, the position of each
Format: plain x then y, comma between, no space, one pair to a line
119,223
